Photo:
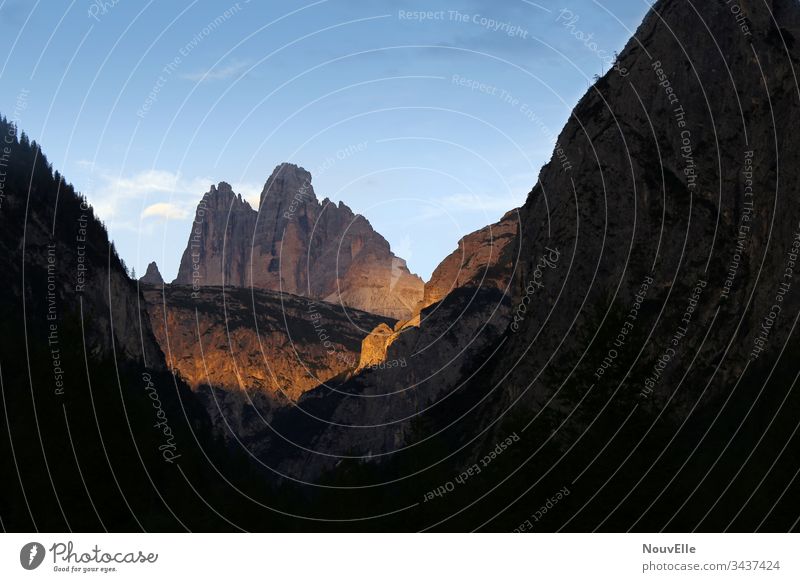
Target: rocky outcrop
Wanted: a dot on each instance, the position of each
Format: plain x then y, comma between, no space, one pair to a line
415,367
220,241
152,276
484,258
241,339
299,245
373,347
377,412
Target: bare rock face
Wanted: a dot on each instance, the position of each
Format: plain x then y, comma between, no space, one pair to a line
484,259
670,202
668,188
481,260
220,240
373,347
417,366
152,276
377,411
241,339
298,245
403,370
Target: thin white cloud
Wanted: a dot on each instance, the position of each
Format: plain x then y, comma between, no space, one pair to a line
118,200
153,181
166,211
228,71
249,191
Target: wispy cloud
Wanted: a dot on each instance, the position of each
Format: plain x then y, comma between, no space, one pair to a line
124,201
249,191
129,201
232,69
165,210
155,181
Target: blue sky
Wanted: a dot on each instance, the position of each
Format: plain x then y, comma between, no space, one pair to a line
430,125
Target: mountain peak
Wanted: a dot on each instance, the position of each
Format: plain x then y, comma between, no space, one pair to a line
222,187
288,181
152,276
221,197
296,244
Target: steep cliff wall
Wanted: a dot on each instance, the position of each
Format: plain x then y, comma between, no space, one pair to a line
242,339
299,245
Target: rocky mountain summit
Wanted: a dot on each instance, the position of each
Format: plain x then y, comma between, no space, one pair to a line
283,345
296,244
152,276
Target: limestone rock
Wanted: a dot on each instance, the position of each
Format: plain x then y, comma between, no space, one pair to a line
220,240
296,244
484,259
373,347
152,276
481,260
240,339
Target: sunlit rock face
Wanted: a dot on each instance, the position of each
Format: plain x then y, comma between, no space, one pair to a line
238,339
481,260
419,364
377,411
296,244
373,347
484,259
